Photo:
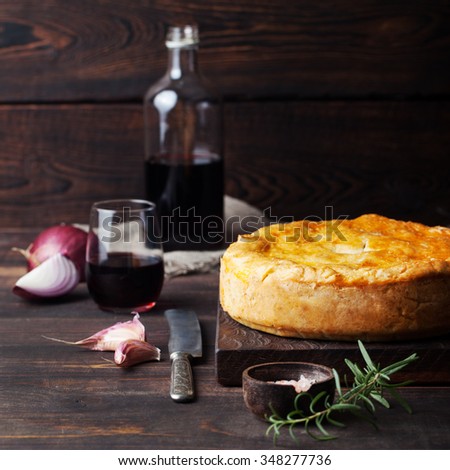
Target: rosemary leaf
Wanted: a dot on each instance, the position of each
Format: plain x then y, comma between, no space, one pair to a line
400,400
366,389
356,371
344,407
334,422
380,399
369,405
315,400
291,432
366,357
393,368
337,381
319,426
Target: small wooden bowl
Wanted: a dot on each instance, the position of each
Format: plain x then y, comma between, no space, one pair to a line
263,396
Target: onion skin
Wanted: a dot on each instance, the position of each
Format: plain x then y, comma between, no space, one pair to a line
67,240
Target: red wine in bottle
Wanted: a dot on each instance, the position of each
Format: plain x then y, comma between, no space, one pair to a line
189,199
183,127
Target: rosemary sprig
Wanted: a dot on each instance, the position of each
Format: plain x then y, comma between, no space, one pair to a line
367,389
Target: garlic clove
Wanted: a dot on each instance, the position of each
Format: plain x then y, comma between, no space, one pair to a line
109,338
131,352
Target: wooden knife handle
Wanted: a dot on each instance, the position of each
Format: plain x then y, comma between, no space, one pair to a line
182,381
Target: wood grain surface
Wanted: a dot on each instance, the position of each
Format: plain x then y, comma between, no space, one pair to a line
342,104
56,396
384,157
295,157
239,347
54,50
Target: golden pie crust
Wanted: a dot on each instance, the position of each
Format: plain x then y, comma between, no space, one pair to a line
370,278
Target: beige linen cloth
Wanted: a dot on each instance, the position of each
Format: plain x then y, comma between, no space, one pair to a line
238,216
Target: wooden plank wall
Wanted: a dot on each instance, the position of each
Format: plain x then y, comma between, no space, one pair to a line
342,104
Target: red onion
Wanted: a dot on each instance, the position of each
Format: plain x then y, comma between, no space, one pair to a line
54,277
67,240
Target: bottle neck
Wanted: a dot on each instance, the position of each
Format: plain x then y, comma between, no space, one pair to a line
182,61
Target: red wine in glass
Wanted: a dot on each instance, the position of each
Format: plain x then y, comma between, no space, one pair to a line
125,281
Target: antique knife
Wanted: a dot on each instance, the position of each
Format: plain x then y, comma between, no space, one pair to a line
185,342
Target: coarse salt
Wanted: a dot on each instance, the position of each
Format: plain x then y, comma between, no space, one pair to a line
301,385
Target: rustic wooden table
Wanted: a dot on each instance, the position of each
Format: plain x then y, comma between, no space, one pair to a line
55,396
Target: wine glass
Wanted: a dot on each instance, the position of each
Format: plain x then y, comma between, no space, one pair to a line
124,258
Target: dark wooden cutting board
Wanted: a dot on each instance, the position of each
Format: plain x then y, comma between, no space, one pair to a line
239,347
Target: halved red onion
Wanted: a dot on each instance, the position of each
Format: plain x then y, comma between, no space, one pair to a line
67,240
54,277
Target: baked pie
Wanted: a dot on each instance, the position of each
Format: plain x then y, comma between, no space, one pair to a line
370,278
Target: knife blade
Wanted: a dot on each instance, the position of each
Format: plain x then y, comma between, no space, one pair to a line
185,342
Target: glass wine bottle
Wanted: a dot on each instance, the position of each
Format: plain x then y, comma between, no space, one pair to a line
183,149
